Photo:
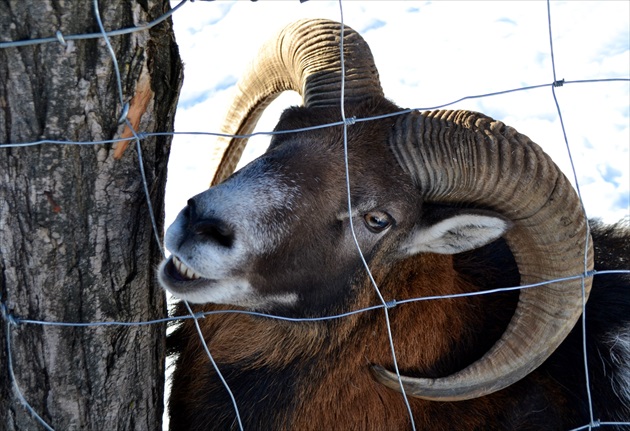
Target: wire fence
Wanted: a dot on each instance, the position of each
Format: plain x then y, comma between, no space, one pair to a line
385,306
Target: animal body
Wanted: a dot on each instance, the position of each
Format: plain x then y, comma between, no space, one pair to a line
441,203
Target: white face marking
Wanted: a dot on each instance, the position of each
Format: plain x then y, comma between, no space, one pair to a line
255,205
248,203
229,291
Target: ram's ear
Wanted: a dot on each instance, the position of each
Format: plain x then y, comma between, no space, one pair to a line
450,231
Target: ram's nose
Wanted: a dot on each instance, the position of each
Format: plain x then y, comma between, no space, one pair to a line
214,230
208,228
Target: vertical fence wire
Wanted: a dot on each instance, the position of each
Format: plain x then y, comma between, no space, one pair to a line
557,83
386,305
12,320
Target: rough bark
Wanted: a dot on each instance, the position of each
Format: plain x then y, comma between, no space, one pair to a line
76,241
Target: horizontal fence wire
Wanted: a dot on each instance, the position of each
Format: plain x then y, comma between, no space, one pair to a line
63,39
14,320
349,121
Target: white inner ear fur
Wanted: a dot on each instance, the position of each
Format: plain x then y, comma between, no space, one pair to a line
456,234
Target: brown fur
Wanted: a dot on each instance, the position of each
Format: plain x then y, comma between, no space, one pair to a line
323,367
342,351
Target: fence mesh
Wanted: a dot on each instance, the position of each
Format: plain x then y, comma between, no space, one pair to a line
63,39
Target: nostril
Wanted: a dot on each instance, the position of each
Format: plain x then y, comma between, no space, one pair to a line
215,230
190,210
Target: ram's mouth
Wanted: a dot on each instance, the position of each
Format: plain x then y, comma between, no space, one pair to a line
177,270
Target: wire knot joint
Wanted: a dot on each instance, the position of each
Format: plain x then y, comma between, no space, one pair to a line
6,315
60,38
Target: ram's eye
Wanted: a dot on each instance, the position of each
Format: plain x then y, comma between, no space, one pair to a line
377,221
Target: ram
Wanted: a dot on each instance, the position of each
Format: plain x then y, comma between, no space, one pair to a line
439,203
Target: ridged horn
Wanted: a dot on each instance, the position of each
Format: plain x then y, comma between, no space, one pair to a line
459,156
305,57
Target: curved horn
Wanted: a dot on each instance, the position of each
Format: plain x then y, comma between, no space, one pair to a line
303,57
458,156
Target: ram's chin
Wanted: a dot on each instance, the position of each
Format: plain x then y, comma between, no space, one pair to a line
186,284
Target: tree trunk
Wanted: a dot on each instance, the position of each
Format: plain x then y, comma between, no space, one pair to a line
76,241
